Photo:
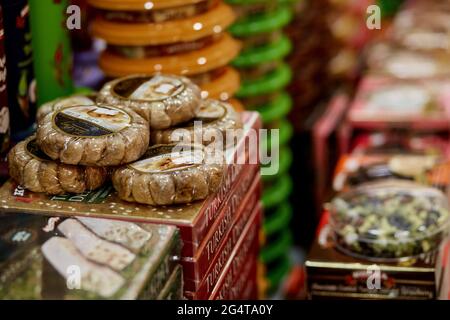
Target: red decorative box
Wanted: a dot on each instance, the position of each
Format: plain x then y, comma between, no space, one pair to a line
203,270
245,251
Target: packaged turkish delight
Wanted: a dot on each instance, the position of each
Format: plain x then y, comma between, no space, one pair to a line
84,258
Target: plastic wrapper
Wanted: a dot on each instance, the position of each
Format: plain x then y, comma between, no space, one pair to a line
164,101
214,119
42,258
36,172
170,174
188,29
194,220
389,220
96,135
57,104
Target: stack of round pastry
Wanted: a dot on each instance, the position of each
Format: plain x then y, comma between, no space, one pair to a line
264,77
139,131
183,37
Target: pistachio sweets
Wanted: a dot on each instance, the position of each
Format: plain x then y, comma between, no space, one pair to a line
35,171
213,120
169,174
75,100
390,220
164,101
93,135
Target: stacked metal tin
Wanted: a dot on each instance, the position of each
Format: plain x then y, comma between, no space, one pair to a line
176,37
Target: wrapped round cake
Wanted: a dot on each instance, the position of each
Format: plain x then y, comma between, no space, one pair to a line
93,135
170,174
75,100
35,171
164,101
214,119
202,62
167,22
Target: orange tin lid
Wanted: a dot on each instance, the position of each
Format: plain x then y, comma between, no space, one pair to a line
214,56
134,5
214,21
223,87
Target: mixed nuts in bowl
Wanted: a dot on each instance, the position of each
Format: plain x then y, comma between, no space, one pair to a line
389,220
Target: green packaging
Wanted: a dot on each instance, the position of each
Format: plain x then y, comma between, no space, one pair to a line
52,50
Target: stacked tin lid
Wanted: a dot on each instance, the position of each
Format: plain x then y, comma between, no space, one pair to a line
176,36
264,76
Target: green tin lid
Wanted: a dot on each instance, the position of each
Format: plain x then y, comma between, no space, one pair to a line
278,193
277,275
263,54
279,220
277,249
276,109
262,23
285,163
269,83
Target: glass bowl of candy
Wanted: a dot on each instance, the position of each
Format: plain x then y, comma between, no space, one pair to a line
389,220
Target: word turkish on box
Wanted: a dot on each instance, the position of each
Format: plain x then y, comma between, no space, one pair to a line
203,271
245,252
224,216
194,220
